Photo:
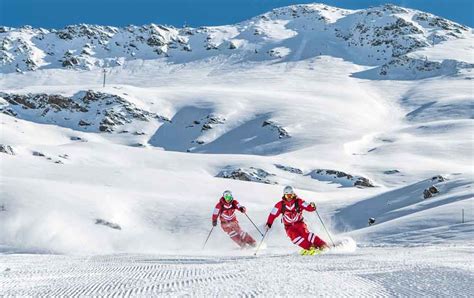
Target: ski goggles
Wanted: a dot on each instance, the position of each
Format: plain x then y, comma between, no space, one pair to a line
228,198
289,195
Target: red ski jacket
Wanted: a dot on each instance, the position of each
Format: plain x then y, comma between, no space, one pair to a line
292,211
226,211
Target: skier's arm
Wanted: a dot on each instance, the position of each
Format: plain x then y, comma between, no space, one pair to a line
276,211
238,206
307,206
217,211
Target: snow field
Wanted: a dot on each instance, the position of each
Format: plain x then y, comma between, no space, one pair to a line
126,213
433,271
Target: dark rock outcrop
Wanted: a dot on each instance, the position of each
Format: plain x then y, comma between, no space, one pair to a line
7,149
391,172
247,174
430,192
282,133
438,178
106,223
98,111
39,154
289,169
210,121
340,177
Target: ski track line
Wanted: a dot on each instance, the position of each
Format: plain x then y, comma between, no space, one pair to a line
368,272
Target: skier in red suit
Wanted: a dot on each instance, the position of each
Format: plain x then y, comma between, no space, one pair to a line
225,211
291,207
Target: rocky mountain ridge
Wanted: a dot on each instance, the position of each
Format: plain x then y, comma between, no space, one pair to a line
380,36
85,111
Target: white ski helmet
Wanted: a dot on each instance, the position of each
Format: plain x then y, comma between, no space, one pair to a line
288,190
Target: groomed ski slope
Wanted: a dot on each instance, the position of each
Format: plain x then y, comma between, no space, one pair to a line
156,180
375,272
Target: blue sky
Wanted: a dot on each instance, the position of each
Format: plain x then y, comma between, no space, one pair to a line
58,13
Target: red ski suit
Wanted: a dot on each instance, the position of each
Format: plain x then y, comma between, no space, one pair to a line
229,223
295,227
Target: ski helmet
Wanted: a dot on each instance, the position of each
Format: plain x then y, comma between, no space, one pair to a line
288,193
288,190
227,195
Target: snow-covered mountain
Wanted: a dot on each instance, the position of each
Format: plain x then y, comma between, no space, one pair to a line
369,113
381,36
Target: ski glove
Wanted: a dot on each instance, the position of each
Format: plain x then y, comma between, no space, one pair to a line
243,209
214,223
313,204
268,227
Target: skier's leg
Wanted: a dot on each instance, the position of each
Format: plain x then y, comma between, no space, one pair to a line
249,240
317,242
297,237
233,233
311,237
245,238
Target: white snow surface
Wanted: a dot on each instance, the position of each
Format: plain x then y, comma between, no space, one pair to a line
304,106
370,272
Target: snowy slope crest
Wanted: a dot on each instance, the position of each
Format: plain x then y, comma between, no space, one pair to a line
408,216
379,36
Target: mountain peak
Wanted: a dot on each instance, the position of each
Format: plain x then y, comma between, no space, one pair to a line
373,36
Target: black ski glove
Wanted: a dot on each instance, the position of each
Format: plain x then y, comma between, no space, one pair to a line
214,223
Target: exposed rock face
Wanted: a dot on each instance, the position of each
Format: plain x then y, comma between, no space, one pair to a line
86,110
282,133
385,33
247,174
430,192
210,121
37,153
405,67
289,169
7,149
70,60
433,190
93,42
438,178
397,35
363,182
371,221
106,223
83,123
74,138
391,172
339,177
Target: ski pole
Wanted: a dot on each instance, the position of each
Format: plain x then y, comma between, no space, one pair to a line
254,224
208,237
261,242
333,245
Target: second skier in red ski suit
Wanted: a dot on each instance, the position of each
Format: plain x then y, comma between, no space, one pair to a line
291,208
225,211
